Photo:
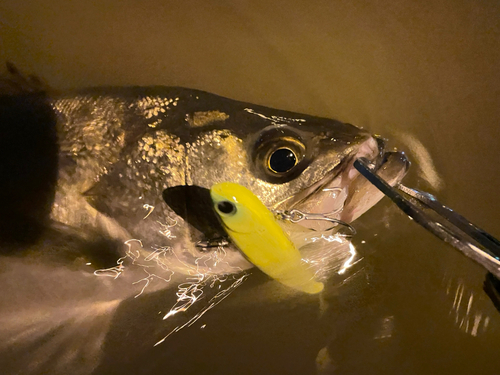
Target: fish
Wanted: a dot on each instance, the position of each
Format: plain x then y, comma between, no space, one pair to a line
126,175
125,151
138,162
254,230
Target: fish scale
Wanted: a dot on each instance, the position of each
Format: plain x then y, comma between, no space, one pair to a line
121,148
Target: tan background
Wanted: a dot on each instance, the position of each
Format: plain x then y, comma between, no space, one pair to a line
429,69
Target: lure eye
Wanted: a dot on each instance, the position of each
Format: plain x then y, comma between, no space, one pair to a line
282,160
226,207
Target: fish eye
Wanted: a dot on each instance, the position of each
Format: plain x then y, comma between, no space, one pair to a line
226,207
280,154
282,160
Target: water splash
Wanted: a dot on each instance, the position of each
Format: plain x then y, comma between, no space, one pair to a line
325,252
214,301
158,265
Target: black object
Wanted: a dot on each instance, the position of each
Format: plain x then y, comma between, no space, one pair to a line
194,204
282,160
440,220
28,166
492,289
226,207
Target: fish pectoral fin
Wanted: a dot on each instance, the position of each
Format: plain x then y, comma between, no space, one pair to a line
98,197
109,195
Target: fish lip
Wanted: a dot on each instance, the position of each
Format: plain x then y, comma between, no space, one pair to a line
392,168
346,174
297,200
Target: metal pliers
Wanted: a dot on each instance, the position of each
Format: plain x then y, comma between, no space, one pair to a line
446,224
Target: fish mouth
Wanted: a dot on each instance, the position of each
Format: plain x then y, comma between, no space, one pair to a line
343,193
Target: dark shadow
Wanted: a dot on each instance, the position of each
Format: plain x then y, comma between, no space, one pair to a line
194,204
28,167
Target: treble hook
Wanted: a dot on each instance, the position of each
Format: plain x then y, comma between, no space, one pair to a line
295,216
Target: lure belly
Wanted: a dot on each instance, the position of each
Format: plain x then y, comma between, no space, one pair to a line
254,230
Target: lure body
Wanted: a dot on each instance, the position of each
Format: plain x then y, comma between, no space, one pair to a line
254,230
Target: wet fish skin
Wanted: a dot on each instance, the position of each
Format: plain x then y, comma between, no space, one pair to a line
100,130
120,148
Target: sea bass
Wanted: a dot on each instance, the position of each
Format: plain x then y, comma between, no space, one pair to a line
137,163
123,149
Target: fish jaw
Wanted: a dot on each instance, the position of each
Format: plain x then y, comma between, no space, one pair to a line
363,195
344,194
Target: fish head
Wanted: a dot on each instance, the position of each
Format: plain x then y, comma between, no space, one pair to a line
176,153
292,161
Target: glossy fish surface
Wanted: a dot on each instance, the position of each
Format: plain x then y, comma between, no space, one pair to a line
122,148
135,165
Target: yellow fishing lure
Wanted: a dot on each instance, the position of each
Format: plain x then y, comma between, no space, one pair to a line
253,228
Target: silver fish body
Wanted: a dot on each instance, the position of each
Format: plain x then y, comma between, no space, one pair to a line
120,151
121,148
